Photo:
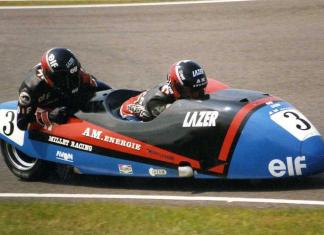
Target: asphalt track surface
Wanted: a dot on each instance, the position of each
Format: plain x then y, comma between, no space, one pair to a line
272,46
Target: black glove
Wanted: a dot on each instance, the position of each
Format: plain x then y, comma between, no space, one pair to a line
59,115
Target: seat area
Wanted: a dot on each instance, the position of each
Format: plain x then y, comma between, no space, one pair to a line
116,98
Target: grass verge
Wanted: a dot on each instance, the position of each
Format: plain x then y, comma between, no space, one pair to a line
73,2
120,218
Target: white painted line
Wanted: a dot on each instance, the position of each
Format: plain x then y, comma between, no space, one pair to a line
120,5
162,197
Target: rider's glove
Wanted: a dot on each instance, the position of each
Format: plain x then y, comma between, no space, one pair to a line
59,115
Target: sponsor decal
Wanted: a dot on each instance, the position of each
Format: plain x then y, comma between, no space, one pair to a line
81,146
70,63
97,134
197,72
44,97
24,98
151,151
125,169
92,133
74,70
157,172
200,82
52,61
180,73
276,105
200,119
75,90
24,110
58,140
68,143
292,166
68,157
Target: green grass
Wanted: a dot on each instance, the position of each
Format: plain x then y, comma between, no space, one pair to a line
137,219
72,2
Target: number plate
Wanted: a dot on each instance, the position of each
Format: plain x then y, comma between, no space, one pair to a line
8,126
295,123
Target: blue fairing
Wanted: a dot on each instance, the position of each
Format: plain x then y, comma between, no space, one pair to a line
275,141
313,149
9,105
87,163
5,107
277,153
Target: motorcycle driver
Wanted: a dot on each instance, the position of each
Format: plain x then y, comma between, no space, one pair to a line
186,80
55,89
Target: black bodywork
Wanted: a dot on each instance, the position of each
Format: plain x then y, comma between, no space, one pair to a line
166,131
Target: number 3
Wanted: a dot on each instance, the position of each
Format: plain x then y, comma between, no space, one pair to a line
307,126
9,129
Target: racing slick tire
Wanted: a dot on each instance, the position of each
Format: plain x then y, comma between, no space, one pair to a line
23,166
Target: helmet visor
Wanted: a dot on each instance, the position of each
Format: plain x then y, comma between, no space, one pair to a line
65,81
190,93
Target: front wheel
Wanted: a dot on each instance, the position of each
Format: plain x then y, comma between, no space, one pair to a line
22,165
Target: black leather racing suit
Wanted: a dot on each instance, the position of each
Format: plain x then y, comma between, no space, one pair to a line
148,104
37,98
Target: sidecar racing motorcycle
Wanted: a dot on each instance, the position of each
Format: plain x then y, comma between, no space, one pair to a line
235,134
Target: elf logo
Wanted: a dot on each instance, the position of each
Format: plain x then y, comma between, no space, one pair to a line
279,168
52,61
200,119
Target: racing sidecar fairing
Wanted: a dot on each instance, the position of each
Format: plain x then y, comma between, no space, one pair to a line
234,134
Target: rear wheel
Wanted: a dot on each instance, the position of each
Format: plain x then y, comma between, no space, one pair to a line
22,165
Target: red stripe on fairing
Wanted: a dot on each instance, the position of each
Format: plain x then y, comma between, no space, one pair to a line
236,123
75,128
218,169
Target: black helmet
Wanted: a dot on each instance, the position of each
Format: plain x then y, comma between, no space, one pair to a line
187,79
61,69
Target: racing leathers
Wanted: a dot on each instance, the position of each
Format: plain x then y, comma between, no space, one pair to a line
39,102
148,104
